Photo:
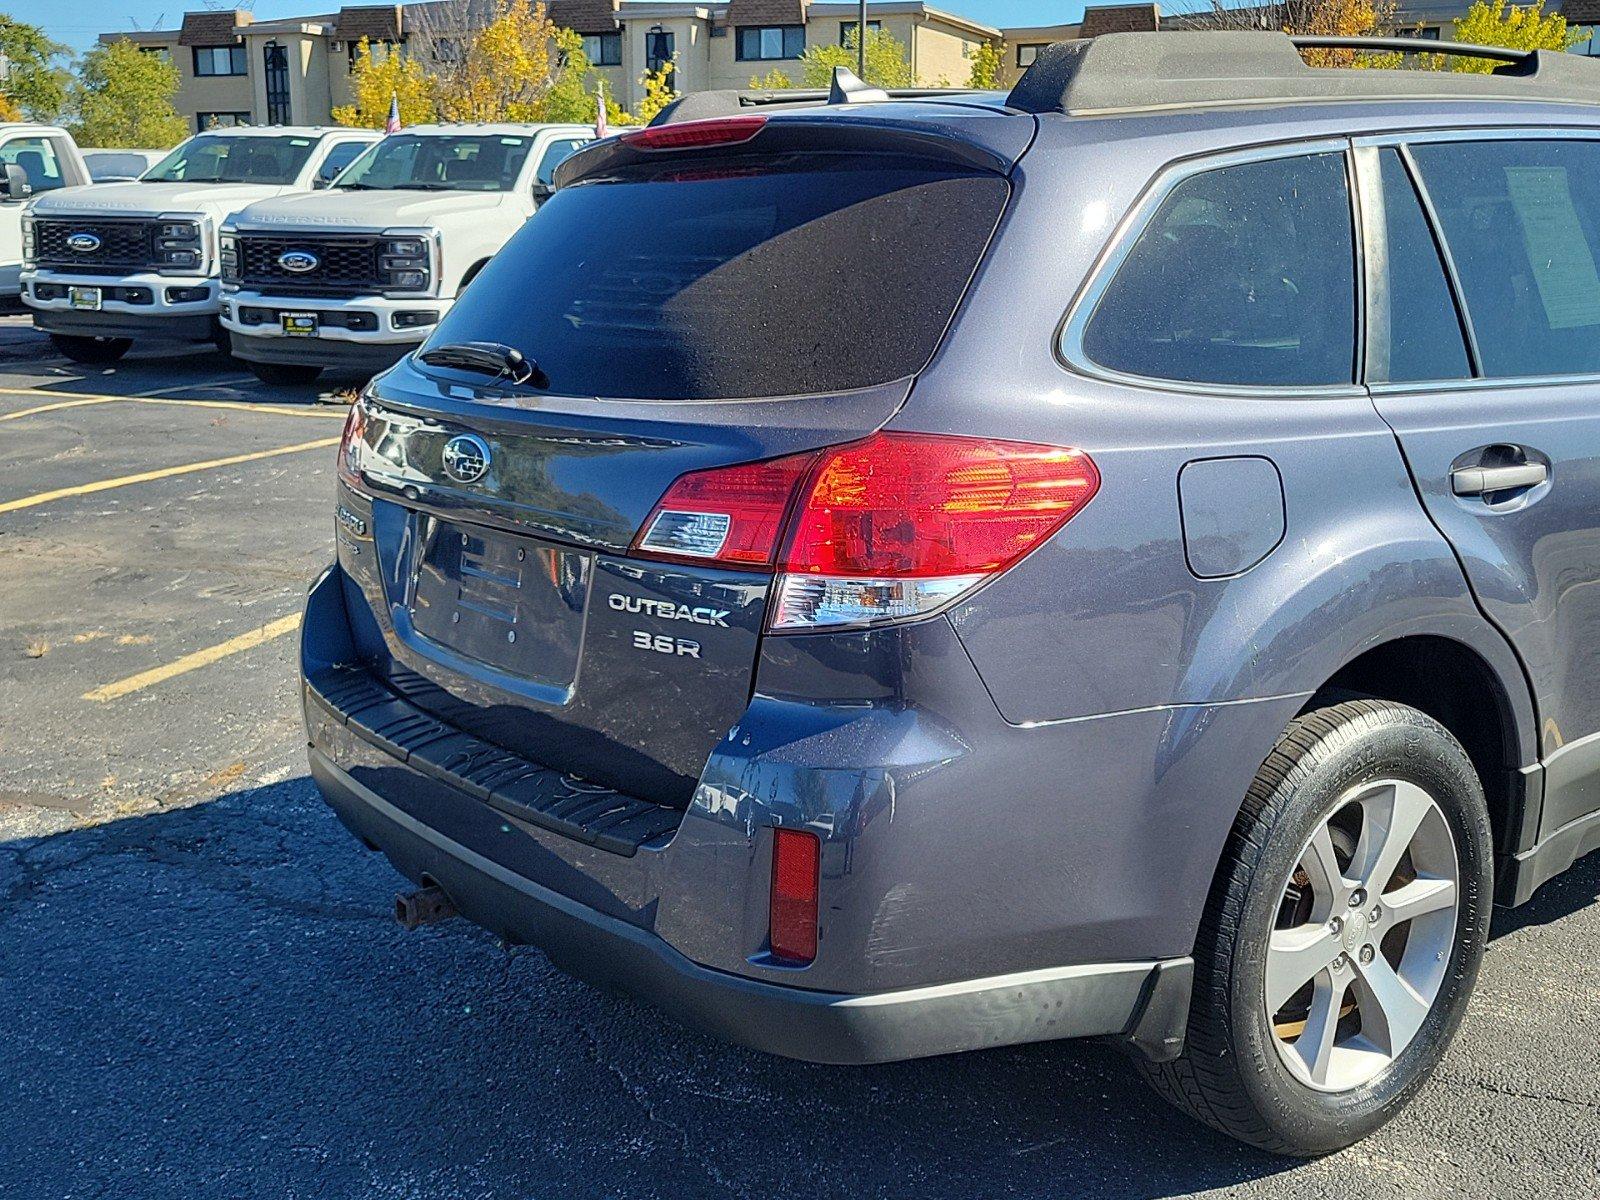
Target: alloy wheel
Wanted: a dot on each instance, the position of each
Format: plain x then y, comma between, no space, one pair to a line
1363,935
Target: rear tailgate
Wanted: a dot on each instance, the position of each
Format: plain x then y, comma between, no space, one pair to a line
706,312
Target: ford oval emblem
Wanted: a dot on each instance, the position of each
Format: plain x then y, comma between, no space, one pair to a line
466,458
82,243
299,261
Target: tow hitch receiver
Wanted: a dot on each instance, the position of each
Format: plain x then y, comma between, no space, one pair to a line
423,907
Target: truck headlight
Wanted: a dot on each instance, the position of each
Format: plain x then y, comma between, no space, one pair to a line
179,244
228,257
30,253
404,264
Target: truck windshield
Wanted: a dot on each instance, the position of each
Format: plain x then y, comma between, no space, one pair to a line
223,158
471,163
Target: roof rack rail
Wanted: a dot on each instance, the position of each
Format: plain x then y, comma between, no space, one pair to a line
1151,72
845,88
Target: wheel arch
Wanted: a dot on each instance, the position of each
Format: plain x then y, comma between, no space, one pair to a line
1475,689
472,273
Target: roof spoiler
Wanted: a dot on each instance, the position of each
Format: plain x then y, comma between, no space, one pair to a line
845,88
1149,72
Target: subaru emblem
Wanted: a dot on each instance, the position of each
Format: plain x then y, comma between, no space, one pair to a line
466,458
299,261
82,243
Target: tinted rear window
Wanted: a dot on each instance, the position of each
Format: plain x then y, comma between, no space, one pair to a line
721,283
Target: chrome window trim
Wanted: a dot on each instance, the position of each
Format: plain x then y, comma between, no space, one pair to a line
1069,338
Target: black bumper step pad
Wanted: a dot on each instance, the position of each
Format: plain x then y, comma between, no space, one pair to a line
576,808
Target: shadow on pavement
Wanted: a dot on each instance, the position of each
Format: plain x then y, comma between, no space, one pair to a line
214,1001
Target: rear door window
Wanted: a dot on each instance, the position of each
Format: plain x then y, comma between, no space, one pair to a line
1245,275
1415,331
1522,221
817,274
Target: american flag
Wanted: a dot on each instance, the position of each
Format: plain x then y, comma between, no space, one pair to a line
392,125
600,129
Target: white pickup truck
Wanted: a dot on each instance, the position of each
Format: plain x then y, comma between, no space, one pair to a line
356,276
105,264
34,159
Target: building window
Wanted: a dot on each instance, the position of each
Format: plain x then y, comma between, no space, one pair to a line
161,52
761,43
1027,52
379,51
846,28
603,49
219,60
219,120
659,48
1431,32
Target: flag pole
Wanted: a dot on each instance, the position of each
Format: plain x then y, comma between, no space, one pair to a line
861,42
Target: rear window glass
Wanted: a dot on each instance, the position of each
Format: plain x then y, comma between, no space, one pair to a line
1245,275
1522,220
731,282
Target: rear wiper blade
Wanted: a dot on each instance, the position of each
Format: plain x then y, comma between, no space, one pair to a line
490,358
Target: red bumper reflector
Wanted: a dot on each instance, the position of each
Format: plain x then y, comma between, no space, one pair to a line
795,859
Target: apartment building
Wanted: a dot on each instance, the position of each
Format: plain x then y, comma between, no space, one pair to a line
234,69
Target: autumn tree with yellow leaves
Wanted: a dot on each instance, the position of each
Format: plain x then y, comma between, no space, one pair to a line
518,66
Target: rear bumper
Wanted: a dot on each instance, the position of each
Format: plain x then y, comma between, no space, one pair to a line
1144,1001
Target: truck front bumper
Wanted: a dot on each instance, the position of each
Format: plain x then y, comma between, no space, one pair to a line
366,332
143,304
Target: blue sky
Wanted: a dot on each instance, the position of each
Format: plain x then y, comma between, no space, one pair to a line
78,22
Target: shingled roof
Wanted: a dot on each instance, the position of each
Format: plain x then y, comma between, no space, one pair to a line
211,28
375,22
585,16
1120,18
1581,12
766,12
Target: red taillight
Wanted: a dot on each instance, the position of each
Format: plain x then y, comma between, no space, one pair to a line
717,131
908,506
730,516
795,858
355,428
890,527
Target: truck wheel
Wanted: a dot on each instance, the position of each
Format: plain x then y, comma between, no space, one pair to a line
91,349
284,374
1343,934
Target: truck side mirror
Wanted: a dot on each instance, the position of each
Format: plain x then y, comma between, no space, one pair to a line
17,185
542,191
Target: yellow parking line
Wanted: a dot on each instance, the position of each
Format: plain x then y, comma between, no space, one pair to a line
337,412
44,408
193,662
277,409
164,473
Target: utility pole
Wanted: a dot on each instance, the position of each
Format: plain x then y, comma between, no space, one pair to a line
861,41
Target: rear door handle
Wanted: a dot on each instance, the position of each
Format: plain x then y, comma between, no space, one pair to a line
1475,481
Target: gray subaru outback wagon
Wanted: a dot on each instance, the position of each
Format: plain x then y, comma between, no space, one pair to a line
882,576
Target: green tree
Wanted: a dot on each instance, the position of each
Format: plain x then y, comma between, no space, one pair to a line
888,65
986,61
123,97
35,82
773,81
1502,23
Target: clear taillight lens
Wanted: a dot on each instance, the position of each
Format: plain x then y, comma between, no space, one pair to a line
891,527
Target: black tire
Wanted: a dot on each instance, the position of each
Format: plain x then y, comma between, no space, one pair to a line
222,339
93,350
1231,1075
284,374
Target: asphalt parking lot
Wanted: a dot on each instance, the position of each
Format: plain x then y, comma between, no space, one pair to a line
205,994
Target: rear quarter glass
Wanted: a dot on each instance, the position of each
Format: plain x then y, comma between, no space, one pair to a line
804,275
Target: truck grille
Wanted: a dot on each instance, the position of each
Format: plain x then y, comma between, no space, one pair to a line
123,244
345,266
